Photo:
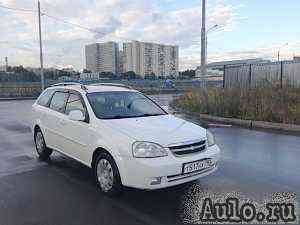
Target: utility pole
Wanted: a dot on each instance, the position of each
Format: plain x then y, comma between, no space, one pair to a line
6,64
41,48
278,53
203,39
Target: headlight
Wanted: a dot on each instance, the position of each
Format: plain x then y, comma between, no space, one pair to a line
210,138
148,150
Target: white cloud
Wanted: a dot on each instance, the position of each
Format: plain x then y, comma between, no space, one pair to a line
116,19
268,51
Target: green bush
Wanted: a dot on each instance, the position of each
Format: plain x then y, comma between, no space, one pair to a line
272,104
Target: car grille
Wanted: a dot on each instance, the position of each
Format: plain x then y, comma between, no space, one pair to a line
182,150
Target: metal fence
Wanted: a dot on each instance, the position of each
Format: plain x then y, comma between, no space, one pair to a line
257,75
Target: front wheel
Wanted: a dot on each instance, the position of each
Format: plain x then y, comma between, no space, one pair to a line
40,145
107,175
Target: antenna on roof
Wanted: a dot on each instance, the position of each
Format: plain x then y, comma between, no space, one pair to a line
83,87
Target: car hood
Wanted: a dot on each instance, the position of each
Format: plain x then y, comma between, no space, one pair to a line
164,130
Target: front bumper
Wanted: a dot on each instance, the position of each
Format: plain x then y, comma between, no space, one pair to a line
140,173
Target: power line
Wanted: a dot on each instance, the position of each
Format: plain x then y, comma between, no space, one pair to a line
73,24
18,9
60,20
80,26
54,18
41,47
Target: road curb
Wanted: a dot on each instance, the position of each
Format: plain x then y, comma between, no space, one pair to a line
231,121
253,124
250,124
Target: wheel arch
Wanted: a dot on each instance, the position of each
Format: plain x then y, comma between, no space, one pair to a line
36,128
97,152
36,125
100,150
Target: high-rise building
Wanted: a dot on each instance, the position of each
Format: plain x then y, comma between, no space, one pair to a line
102,57
6,64
121,62
150,58
128,57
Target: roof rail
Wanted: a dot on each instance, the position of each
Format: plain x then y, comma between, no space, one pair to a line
112,85
82,86
65,84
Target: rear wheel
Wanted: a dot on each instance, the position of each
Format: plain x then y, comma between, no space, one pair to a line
40,145
107,175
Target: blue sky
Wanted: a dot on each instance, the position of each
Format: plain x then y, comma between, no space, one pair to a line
265,22
247,28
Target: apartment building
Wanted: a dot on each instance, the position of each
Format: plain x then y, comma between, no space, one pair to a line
150,58
102,57
121,62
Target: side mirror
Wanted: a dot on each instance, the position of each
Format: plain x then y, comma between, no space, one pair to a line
168,109
76,115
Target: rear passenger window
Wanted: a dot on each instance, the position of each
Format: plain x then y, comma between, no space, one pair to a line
58,101
45,97
74,103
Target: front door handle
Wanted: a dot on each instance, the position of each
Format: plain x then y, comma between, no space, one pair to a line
62,122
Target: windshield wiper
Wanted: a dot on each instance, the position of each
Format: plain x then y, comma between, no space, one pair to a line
133,116
119,117
149,114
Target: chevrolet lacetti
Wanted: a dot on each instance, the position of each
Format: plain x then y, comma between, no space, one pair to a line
124,136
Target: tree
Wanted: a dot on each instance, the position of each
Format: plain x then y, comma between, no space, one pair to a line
187,74
150,76
86,71
19,74
130,75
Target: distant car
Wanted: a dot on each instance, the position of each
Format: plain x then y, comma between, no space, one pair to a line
124,136
168,84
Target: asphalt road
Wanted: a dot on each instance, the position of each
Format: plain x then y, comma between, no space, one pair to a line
254,163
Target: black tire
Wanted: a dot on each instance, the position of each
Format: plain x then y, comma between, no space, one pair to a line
40,145
116,184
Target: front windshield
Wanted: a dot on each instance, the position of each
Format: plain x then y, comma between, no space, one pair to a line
122,104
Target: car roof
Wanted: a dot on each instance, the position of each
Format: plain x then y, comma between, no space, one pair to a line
93,87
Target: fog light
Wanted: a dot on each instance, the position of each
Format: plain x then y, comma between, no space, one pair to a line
210,162
155,181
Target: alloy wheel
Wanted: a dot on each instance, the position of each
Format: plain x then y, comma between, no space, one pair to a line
105,175
39,141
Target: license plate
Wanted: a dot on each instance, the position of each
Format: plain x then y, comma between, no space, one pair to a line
196,166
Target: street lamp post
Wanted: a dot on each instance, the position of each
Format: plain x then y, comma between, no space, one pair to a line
41,48
206,34
278,53
209,30
203,39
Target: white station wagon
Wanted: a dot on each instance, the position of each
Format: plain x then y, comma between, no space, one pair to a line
124,136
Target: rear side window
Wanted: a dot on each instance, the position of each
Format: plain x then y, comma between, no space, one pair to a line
45,98
58,101
74,103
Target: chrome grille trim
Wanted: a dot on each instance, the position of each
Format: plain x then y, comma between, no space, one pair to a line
182,150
